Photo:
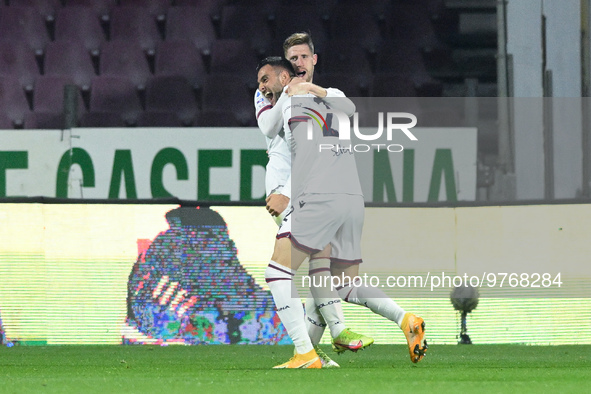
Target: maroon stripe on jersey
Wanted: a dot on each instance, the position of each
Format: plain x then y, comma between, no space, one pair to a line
265,108
280,269
269,280
343,261
302,247
317,270
283,235
297,119
298,245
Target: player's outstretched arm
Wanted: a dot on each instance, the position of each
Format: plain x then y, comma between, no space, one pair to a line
333,97
337,100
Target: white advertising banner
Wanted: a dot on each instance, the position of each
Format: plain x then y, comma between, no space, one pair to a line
217,164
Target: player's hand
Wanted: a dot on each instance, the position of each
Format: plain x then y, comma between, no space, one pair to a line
276,203
298,86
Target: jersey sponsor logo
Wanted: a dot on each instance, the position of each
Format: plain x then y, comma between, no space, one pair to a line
302,203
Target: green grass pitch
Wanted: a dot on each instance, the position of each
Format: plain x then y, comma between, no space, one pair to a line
231,369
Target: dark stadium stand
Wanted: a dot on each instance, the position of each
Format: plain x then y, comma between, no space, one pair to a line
18,61
100,7
410,21
150,118
69,59
217,118
190,23
354,22
47,8
45,120
353,85
207,6
346,56
125,58
115,94
393,84
228,92
398,56
172,94
13,102
79,23
249,23
102,119
233,57
134,24
5,121
48,95
156,8
180,58
123,53
26,24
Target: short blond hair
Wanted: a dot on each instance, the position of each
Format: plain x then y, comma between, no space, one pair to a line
298,39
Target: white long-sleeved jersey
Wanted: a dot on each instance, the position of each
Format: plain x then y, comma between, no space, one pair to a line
271,125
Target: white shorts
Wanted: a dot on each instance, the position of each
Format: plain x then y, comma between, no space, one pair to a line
317,220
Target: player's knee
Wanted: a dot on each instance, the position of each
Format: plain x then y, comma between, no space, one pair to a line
269,273
348,292
276,271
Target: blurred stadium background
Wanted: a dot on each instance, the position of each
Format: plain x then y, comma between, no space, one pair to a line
518,71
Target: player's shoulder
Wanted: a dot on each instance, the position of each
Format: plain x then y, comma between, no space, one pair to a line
260,98
261,102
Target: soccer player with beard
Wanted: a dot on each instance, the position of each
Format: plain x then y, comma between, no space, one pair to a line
299,50
273,75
